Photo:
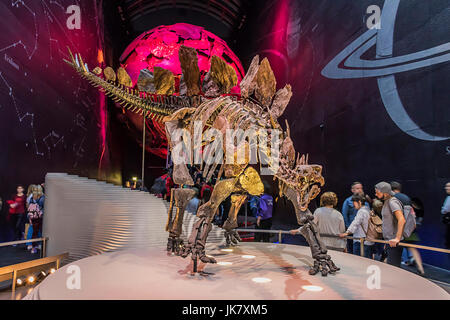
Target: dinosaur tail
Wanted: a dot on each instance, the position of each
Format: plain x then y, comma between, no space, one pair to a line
153,106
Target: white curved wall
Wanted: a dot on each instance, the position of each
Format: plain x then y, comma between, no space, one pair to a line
86,217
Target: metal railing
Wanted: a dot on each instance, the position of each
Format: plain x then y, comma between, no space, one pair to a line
13,271
43,240
402,244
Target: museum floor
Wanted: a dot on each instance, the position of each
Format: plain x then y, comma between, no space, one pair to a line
251,271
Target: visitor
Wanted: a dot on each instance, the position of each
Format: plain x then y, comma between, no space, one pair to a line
140,186
162,185
253,203
198,182
329,221
194,203
206,186
198,174
410,255
29,226
206,195
35,214
393,222
17,215
349,212
169,185
379,248
264,215
359,226
397,189
445,211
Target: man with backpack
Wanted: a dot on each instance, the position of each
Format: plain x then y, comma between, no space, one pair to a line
394,222
411,255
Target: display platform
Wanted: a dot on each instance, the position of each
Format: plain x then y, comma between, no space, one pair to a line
260,271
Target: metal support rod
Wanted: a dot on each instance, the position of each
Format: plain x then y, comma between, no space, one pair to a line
44,248
279,237
362,247
246,225
143,149
13,293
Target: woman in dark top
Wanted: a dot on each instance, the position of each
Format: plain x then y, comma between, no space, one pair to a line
35,213
17,215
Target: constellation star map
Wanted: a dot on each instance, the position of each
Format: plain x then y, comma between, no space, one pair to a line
47,114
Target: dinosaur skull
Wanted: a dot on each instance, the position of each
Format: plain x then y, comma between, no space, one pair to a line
302,178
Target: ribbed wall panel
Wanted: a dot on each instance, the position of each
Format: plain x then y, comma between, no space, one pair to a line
86,217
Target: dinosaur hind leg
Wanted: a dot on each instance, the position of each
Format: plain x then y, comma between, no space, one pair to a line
180,197
197,240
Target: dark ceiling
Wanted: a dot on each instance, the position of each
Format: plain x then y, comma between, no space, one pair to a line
223,18
227,12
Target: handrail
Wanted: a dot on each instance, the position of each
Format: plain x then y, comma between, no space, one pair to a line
10,243
43,240
32,263
13,269
403,244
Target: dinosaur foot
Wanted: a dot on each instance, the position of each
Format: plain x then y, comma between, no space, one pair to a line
324,265
232,238
175,245
196,252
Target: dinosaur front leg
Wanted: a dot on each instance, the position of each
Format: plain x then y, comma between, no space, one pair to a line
181,198
231,236
309,230
322,261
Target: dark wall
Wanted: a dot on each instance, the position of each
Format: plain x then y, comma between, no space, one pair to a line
50,119
344,123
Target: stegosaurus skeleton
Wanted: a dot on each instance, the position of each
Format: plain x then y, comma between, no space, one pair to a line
258,109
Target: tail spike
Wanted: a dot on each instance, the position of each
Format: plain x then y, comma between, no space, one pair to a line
288,129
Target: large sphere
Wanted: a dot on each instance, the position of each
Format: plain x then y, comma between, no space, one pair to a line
160,46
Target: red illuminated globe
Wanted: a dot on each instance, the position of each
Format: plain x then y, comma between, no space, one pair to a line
160,46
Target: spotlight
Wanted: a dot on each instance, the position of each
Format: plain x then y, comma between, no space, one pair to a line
19,282
52,270
224,263
134,178
247,256
226,250
312,288
31,279
261,280
43,273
